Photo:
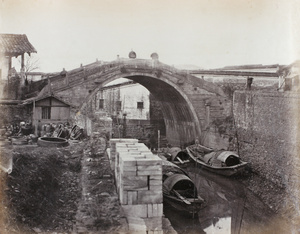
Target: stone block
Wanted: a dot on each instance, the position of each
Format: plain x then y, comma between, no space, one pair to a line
139,157
132,197
128,173
149,210
136,225
139,210
133,180
149,167
155,210
153,224
122,150
158,210
150,197
136,187
151,161
156,182
150,155
128,168
155,177
133,153
156,187
123,196
149,172
127,162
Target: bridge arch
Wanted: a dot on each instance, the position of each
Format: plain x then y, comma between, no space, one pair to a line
177,91
181,120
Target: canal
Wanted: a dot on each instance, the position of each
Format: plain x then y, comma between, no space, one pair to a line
230,207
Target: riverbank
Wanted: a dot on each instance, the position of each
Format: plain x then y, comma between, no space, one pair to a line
56,190
62,190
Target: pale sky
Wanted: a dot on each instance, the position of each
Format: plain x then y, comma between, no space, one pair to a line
205,33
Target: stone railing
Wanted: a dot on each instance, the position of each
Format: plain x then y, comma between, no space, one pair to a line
138,175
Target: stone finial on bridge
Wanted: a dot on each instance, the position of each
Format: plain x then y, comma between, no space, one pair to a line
132,54
154,56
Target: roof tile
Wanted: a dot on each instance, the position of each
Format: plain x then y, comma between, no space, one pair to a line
15,44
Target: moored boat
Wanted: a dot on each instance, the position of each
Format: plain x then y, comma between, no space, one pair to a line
222,162
179,190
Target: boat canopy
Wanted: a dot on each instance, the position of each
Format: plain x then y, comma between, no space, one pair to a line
178,182
174,151
228,157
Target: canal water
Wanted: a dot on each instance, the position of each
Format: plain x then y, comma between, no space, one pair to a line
230,207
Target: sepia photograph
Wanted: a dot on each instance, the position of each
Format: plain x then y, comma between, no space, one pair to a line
151,117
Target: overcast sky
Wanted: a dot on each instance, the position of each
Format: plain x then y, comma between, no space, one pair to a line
205,33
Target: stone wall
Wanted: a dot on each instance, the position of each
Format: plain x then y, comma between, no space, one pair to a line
138,175
267,135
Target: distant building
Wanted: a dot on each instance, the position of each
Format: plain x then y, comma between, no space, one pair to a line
129,99
128,105
273,77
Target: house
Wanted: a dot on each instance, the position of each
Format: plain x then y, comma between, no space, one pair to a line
48,109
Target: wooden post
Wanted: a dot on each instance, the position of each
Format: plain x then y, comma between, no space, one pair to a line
22,62
33,119
9,63
158,139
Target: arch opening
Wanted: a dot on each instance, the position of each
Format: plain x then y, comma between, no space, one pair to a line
180,120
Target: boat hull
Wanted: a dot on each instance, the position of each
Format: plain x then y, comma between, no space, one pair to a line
193,208
225,170
232,171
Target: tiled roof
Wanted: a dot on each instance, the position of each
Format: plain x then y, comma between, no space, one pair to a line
15,44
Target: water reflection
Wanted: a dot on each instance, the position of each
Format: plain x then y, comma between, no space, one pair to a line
230,207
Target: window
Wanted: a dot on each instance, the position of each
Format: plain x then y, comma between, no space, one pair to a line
119,105
46,112
101,104
140,105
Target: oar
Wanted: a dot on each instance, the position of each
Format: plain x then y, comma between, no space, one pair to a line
181,197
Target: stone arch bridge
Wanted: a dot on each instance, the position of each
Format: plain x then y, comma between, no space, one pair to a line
188,103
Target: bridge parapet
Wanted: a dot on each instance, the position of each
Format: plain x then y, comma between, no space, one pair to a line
138,176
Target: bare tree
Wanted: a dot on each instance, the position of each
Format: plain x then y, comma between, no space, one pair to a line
31,63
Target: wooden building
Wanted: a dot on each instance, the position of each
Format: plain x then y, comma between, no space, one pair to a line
48,109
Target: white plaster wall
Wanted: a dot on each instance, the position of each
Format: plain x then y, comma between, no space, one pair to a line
129,95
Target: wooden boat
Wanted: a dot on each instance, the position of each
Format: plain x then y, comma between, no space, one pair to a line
222,162
179,190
